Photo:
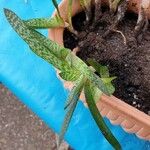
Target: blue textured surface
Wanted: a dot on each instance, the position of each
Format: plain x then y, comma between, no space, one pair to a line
34,81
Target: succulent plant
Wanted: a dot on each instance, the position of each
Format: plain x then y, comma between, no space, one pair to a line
71,67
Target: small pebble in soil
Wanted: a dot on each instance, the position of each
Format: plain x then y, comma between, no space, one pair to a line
134,102
135,96
138,105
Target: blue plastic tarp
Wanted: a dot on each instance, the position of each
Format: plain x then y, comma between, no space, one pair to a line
35,83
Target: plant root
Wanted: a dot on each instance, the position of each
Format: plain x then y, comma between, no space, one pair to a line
124,38
142,24
88,14
74,32
76,50
122,8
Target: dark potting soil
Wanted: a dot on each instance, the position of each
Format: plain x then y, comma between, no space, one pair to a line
129,62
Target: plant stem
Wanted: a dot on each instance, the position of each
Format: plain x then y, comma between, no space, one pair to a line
113,4
70,27
86,5
142,22
98,12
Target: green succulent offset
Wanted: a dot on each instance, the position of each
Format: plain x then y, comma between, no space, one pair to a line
103,71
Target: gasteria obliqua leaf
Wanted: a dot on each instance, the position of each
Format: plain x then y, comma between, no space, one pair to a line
31,37
104,73
43,23
56,6
67,120
96,92
102,70
76,91
110,87
71,105
71,75
58,50
99,83
78,64
108,79
98,118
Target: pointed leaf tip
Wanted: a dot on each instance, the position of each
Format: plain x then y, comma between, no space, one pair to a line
6,11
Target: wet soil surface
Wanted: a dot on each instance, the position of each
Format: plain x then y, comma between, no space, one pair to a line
129,62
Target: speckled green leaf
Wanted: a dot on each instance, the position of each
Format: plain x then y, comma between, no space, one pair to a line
96,92
78,64
75,91
30,35
43,23
98,118
33,39
102,70
58,50
71,104
108,79
110,87
68,117
104,73
72,75
67,120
